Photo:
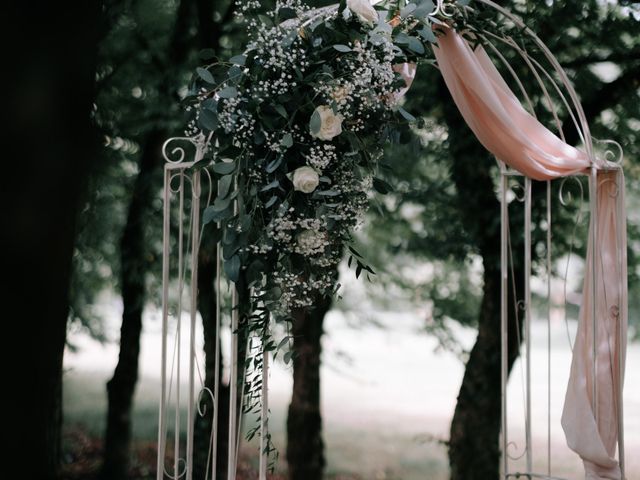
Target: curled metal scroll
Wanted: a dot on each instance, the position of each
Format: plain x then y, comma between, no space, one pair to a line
173,149
613,152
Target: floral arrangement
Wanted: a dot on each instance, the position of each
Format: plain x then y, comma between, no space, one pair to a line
295,128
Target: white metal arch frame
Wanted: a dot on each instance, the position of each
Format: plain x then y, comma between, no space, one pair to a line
182,209
562,93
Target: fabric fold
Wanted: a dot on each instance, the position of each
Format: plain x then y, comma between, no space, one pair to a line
517,138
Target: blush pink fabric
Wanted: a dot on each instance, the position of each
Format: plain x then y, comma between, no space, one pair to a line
515,137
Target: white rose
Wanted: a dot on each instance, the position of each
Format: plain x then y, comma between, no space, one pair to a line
363,10
330,124
305,179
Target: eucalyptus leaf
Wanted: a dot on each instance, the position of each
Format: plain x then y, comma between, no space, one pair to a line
408,10
205,75
416,45
224,186
281,110
224,168
381,186
228,92
271,202
287,140
271,186
208,120
274,164
316,122
342,48
406,115
232,268
221,204
427,33
238,60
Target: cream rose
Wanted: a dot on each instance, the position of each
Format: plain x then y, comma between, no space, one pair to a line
363,10
305,179
330,124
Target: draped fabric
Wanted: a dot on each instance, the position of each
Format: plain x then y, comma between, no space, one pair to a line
515,137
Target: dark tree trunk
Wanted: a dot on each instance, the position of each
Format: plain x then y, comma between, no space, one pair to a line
305,447
49,143
474,438
204,424
474,451
134,256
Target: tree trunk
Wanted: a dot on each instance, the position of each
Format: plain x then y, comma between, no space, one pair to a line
134,267
474,450
305,448
204,424
49,145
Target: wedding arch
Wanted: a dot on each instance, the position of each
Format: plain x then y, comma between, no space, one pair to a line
281,152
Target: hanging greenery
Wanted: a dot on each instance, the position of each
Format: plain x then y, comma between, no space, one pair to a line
295,128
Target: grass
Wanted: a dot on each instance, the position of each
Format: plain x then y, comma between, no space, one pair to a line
353,453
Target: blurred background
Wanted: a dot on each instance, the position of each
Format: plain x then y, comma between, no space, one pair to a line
400,378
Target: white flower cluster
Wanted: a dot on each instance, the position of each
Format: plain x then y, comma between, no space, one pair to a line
298,292
294,233
311,242
233,119
276,54
322,155
367,84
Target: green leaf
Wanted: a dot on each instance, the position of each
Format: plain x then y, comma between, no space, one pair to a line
381,186
408,10
271,202
221,204
272,185
274,164
281,110
288,356
228,92
416,45
224,186
208,215
424,9
287,140
224,168
232,268
406,115
208,120
238,60
284,342
205,75
402,38
342,48
210,104
315,123
286,13
212,215
207,54
427,33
